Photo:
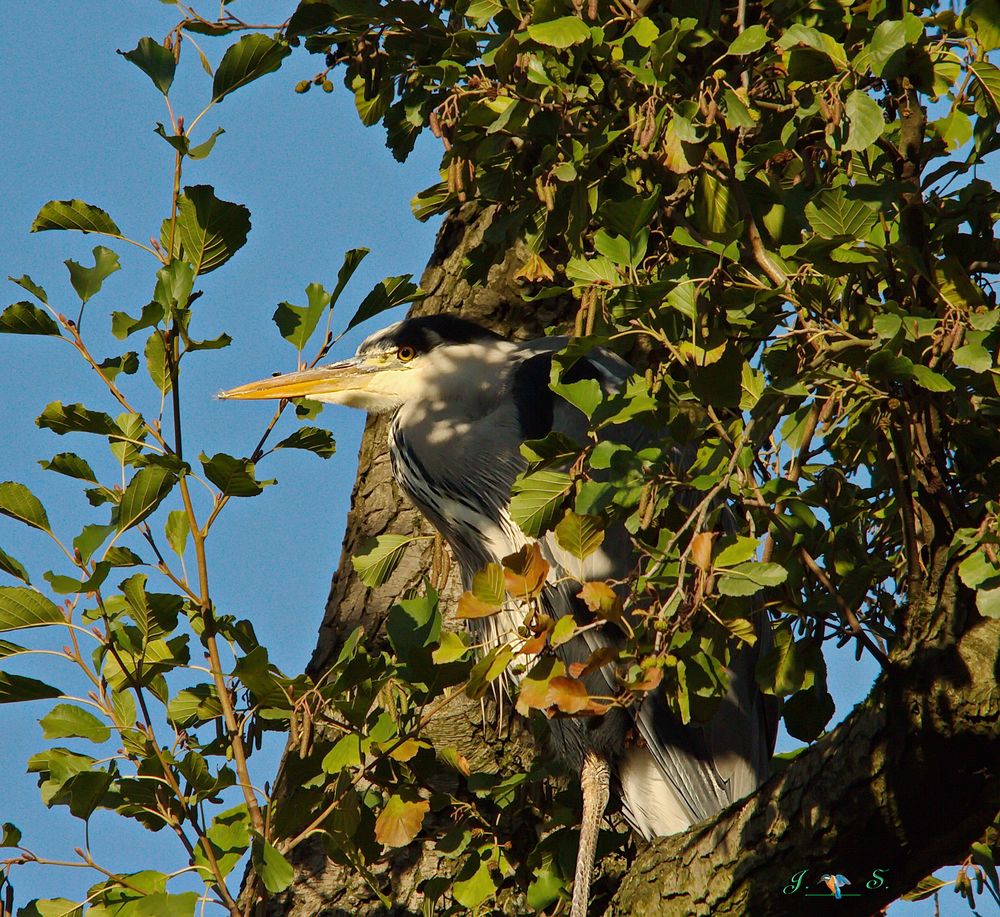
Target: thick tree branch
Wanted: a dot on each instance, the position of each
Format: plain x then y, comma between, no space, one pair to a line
857,801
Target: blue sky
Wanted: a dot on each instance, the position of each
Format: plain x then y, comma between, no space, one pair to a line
79,124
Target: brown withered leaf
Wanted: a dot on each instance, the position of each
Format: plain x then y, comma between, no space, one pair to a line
650,679
524,572
701,550
569,695
400,820
601,599
471,607
534,645
601,657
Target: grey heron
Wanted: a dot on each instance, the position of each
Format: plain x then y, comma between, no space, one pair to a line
462,401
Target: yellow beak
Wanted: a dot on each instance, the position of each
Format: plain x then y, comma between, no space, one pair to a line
348,375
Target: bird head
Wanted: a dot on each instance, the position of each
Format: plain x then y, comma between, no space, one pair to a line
413,360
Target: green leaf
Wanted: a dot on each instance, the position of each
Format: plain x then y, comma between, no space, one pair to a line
251,57
27,318
750,577
988,602
122,324
313,439
26,283
229,835
14,567
74,214
832,215
257,674
389,292
273,869
749,41
545,888
154,613
925,888
17,688
87,281
973,356
536,499
155,61
65,721
926,378
297,323
865,121
742,549
376,564
21,607
806,713
75,418
157,364
20,503
889,38
143,494
91,538
11,649
790,665
352,258
205,147
372,99
127,669
982,19
10,836
177,529
126,363
580,535
129,430
211,230
988,82
560,33
472,891
234,477
51,907
173,286
451,647
194,706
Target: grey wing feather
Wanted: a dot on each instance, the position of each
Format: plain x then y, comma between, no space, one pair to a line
708,766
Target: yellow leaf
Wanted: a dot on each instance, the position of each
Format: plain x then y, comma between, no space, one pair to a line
400,820
563,631
534,270
535,685
407,750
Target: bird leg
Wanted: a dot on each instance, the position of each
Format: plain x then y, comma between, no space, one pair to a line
595,781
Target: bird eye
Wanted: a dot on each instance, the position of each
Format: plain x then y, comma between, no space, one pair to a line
405,353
